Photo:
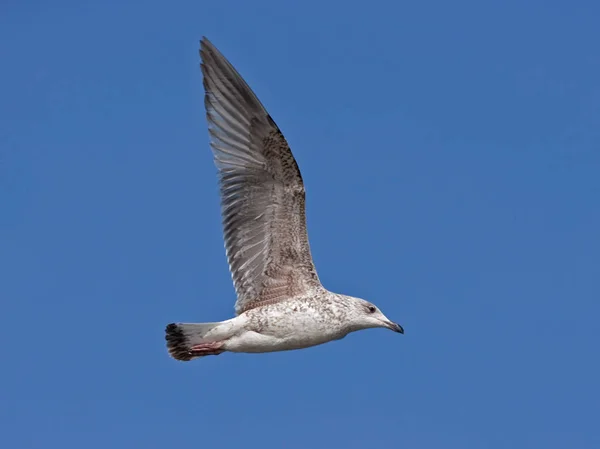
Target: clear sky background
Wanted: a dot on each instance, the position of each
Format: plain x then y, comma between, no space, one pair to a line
451,155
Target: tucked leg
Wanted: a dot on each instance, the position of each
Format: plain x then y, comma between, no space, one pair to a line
213,348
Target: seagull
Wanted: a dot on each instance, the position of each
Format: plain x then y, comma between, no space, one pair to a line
281,304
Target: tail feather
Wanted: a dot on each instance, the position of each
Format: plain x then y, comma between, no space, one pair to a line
182,336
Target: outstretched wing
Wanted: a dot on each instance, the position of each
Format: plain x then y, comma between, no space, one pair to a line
262,193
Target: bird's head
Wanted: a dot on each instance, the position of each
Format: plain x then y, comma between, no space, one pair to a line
366,315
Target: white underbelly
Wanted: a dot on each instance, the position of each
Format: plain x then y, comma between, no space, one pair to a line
297,331
251,341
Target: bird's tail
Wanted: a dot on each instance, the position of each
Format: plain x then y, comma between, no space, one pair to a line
182,336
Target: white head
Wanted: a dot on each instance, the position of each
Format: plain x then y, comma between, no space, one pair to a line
366,315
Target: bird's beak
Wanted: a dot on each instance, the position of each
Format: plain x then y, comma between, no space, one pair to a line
394,326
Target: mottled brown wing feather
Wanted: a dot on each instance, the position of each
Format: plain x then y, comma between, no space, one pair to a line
262,193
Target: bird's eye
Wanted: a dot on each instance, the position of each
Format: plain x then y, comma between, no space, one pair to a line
372,309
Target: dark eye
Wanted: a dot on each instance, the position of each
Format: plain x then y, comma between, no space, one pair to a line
372,309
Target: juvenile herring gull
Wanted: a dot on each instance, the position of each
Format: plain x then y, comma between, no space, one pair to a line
281,304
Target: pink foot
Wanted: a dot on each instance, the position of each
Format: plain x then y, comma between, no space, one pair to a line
206,349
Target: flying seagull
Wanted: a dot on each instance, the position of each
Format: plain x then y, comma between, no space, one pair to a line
281,304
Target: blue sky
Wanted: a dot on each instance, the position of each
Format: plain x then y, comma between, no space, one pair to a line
451,155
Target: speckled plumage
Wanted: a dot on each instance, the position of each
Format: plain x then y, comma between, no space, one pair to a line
281,303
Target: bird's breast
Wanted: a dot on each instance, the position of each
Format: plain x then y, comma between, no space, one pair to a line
291,326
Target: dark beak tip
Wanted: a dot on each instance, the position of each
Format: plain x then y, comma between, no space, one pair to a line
397,328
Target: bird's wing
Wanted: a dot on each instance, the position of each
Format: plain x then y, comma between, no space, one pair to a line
262,193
